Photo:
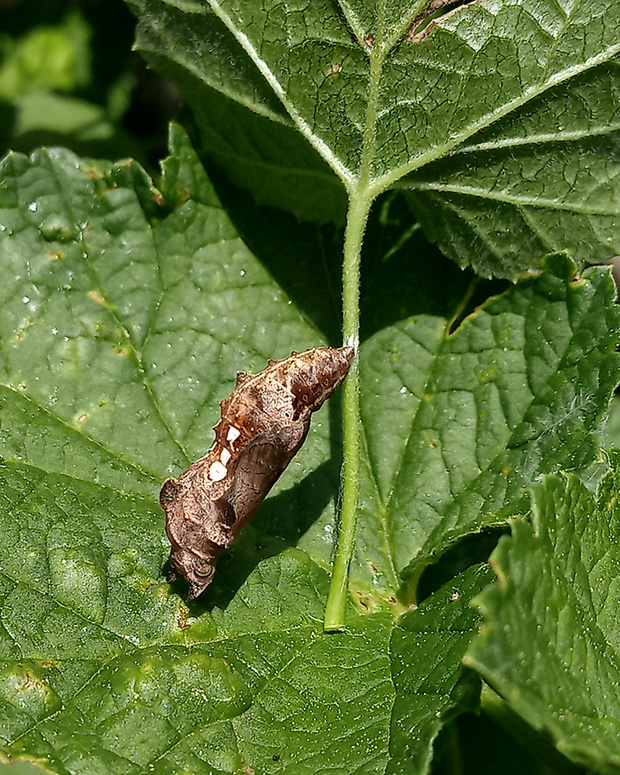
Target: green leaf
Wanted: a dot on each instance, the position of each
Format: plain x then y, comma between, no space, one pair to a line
547,174
125,313
380,96
442,624
46,58
20,767
101,670
106,333
458,424
267,158
549,643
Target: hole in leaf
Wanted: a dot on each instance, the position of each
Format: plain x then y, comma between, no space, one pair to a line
469,551
481,291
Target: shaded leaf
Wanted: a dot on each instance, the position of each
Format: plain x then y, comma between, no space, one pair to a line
457,425
48,118
271,160
442,624
549,643
612,428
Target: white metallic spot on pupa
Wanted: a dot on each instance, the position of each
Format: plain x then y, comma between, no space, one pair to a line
233,434
217,471
224,456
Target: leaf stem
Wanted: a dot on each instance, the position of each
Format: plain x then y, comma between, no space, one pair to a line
361,197
359,208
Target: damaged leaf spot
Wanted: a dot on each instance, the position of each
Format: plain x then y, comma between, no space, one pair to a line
419,29
96,297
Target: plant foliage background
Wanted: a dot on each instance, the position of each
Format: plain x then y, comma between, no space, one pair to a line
485,138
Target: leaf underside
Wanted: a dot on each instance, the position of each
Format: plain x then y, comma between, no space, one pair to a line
497,111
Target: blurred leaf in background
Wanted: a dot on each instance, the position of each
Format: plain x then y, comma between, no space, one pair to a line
68,77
